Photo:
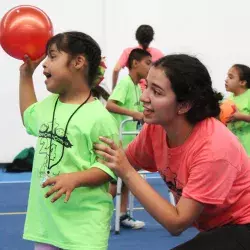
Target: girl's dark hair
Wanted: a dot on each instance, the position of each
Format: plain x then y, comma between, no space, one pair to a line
99,92
75,43
192,84
244,73
144,35
138,55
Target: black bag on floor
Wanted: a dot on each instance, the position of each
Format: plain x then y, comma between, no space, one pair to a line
22,162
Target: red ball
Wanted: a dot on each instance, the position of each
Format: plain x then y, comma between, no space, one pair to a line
25,30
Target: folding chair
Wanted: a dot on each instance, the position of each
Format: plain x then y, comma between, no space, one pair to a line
143,173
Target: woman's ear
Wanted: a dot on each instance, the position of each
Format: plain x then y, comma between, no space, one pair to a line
183,107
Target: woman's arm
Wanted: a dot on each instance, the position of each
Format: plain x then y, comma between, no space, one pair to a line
174,219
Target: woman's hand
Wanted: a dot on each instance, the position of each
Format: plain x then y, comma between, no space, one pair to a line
113,157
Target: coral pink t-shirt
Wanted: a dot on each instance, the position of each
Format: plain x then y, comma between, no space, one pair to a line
211,167
123,60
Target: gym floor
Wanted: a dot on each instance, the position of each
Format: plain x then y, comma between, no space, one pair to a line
14,190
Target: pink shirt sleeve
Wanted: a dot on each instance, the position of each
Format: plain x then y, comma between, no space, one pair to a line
155,53
123,60
140,151
210,181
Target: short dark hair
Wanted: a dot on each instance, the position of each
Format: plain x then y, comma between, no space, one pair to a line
244,73
192,84
75,43
138,55
144,35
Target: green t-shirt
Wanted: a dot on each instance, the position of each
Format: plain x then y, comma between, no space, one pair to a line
83,222
127,94
240,128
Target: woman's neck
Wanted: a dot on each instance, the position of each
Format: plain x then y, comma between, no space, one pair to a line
178,133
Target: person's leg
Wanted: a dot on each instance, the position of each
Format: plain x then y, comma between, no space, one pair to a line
42,246
125,220
112,189
124,199
124,196
230,237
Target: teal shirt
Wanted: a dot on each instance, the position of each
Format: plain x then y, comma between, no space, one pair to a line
82,223
127,94
240,128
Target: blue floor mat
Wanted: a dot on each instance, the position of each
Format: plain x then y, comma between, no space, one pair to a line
14,198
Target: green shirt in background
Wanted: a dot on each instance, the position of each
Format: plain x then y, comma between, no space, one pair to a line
84,222
127,94
240,128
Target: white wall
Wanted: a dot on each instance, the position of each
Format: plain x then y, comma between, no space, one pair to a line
216,31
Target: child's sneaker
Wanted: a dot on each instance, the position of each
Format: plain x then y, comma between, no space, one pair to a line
129,222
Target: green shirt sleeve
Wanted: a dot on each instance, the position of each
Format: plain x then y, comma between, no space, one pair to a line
120,92
30,119
106,130
34,114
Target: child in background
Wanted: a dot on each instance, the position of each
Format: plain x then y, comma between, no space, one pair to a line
123,103
144,35
67,124
238,83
